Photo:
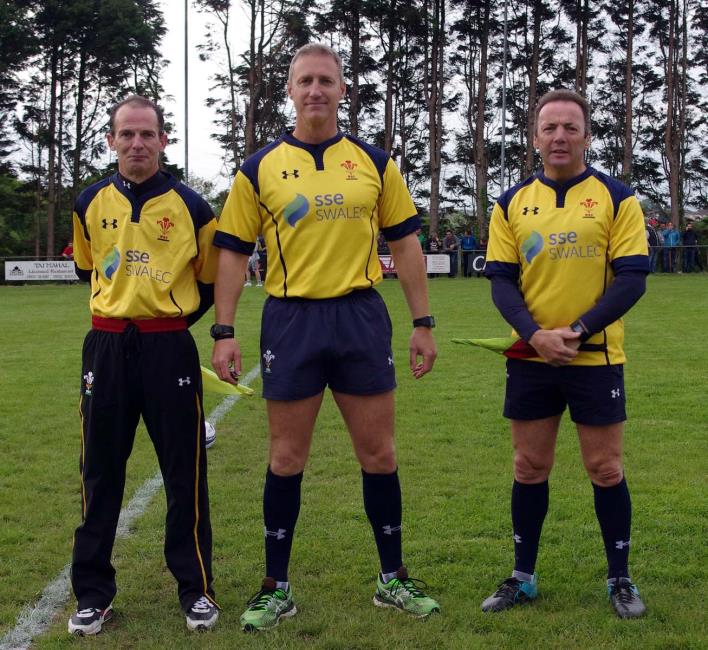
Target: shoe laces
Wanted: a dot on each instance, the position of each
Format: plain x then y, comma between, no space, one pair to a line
411,586
508,587
201,606
262,598
623,592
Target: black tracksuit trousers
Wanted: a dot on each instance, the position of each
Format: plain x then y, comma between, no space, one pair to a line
156,375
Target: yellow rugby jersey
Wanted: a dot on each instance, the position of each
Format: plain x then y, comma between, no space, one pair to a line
563,242
320,209
145,255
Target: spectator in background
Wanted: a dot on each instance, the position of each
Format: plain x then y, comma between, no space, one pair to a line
468,243
450,246
654,241
690,248
68,252
254,267
434,243
672,239
263,252
421,238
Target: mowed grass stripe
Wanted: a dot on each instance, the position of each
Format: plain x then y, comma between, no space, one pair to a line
455,465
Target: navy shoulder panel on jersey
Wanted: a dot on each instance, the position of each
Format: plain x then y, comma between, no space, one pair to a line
379,157
249,167
505,199
233,243
199,209
617,189
89,194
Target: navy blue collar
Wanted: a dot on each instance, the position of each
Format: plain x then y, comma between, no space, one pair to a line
315,150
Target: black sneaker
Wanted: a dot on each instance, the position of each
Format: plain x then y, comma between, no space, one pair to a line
510,592
625,599
89,621
202,615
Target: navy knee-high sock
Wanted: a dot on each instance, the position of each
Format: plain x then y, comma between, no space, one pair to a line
281,507
382,503
613,508
529,505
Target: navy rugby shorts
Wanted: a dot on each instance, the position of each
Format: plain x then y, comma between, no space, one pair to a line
594,394
343,343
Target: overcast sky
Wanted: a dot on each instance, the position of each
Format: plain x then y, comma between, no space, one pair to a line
205,159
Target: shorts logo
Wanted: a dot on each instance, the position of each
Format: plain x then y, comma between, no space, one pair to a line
268,358
350,167
390,361
615,392
588,204
532,246
165,225
184,381
88,380
113,223
110,263
296,209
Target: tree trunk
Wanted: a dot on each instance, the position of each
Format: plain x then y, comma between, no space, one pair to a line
78,138
480,150
51,141
581,47
356,55
437,86
388,100
671,138
628,135
529,162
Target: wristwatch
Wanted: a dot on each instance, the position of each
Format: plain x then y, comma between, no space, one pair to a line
579,326
424,321
219,332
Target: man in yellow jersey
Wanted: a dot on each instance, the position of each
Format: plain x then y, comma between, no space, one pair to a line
567,257
320,198
144,241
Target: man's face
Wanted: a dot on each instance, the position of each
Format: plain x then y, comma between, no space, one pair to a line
560,138
137,142
316,90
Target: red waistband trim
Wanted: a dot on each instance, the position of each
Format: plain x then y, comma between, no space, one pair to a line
143,324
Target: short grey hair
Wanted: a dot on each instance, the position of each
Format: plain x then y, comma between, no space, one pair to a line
317,48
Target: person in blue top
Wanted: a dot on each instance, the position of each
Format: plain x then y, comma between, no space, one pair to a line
467,244
672,239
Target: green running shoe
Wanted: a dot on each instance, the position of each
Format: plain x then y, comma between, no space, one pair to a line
267,607
402,593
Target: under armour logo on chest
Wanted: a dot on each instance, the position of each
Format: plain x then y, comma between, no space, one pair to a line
112,223
533,210
295,173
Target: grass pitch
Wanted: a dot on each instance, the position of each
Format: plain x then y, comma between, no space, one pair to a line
455,467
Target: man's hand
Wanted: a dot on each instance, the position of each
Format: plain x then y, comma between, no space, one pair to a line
226,360
422,344
557,347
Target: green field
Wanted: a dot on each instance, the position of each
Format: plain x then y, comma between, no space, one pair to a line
455,467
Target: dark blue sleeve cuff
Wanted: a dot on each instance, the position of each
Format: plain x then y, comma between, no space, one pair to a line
233,243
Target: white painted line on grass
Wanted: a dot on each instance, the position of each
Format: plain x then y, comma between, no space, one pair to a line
36,619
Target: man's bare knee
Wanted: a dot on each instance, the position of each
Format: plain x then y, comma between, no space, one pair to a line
528,469
605,473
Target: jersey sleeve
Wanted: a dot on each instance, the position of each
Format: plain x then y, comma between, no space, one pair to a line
206,262
502,249
628,236
395,203
240,221
82,247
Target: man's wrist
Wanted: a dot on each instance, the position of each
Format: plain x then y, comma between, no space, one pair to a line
581,328
424,321
219,332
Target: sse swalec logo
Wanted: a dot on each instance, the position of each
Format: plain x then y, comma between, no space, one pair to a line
532,246
110,263
296,209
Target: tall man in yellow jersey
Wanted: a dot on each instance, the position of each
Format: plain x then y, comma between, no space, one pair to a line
320,198
567,257
144,242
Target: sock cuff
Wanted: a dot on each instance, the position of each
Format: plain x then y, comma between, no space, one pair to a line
379,477
538,487
617,486
283,481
